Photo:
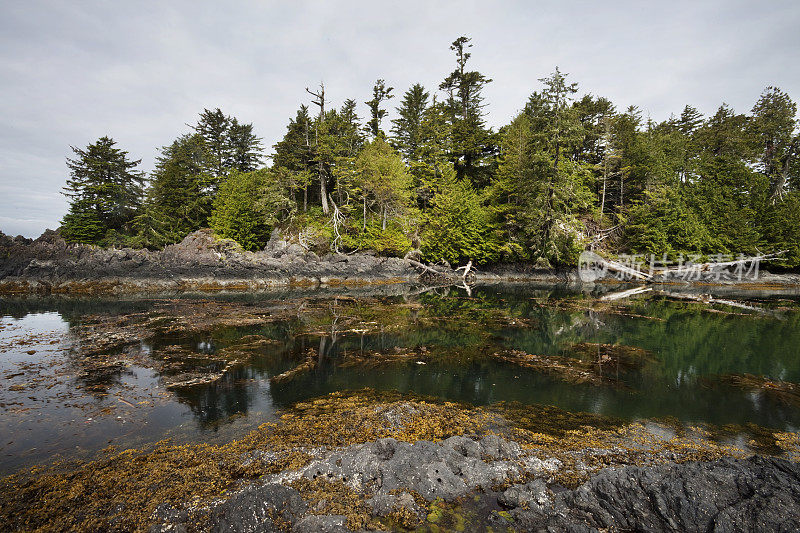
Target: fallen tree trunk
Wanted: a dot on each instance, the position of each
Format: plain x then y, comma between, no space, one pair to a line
624,294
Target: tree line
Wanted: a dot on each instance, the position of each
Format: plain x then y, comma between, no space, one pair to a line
568,171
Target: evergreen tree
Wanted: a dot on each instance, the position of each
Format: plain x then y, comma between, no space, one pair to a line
625,129
665,223
774,126
213,128
560,186
345,141
379,93
472,144
247,207
433,151
228,143
458,227
690,121
407,128
244,148
728,193
594,114
382,180
104,191
295,154
178,200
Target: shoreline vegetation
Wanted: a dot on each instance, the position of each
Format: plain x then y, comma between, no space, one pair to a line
568,173
204,262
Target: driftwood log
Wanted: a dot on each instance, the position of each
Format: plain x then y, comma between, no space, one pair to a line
439,276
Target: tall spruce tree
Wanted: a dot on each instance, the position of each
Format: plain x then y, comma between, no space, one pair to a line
229,144
245,152
472,144
774,125
104,191
407,128
295,154
380,92
178,199
213,128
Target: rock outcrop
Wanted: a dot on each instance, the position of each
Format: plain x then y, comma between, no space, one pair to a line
200,261
726,495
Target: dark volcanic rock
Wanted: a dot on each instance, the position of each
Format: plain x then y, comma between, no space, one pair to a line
447,470
727,495
258,508
200,260
321,524
756,494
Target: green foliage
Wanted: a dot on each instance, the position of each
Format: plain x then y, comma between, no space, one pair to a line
380,92
392,241
664,223
382,180
228,144
104,190
82,224
781,226
458,227
541,185
564,169
774,129
247,207
178,199
407,128
472,145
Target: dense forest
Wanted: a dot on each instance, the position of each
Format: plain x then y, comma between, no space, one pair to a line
568,172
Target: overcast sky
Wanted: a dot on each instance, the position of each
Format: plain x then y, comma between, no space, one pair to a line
71,72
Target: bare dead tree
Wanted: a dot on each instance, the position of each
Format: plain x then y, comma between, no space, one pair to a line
320,101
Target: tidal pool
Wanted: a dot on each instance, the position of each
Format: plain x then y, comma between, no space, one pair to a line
79,374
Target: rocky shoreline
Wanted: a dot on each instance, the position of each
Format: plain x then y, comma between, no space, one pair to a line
366,461
411,483
201,262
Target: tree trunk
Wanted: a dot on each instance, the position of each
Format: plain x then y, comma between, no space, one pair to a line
603,198
323,188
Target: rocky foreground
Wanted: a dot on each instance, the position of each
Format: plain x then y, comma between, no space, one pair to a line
367,461
399,478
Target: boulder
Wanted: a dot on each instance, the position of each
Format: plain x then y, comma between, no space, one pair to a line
728,495
256,508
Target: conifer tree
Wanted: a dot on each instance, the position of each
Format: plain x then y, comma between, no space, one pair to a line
295,154
380,92
178,199
104,191
407,128
472,144
774,126
244,148
213,128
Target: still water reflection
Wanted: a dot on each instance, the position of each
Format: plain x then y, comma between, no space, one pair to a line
48,407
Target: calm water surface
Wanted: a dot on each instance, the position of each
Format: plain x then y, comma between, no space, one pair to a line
45,410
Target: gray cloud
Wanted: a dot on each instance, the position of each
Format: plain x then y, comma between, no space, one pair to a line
139,72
